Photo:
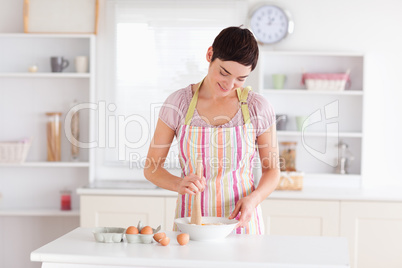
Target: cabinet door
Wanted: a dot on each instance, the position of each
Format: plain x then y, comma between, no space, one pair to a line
304,218
374,231
121,211
170,208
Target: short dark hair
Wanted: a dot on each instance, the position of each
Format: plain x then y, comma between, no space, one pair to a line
236,44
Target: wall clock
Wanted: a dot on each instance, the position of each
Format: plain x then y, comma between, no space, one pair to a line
270,23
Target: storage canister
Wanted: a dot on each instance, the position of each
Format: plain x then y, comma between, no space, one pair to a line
287,155
75,131
53,133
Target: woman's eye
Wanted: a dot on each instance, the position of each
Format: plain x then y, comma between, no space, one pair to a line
223,74
242,80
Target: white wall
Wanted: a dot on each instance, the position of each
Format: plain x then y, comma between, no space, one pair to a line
371,27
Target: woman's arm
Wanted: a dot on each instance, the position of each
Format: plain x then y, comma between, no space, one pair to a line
157,174
269,160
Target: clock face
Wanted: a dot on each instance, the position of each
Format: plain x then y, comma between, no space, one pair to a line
270,24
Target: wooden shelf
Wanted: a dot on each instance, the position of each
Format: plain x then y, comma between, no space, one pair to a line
47,164
312,92
320,134
39,212
45,75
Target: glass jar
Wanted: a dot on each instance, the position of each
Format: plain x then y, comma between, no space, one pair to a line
288,155
53,133
75,131
65,200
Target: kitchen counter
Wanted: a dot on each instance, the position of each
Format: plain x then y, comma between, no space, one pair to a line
308,193
78,249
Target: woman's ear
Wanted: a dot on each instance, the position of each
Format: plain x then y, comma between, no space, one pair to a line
210,52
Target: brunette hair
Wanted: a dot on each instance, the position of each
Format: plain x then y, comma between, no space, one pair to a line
236,44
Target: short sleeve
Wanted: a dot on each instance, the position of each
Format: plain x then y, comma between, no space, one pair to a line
262,113
173,109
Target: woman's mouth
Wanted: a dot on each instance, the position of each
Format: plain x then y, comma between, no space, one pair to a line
222,88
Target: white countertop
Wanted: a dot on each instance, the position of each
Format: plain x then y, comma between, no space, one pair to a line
308,193
79,249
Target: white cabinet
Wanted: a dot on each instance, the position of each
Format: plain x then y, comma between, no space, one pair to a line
170,208
122,211
305,218
373,229
374,232
334,115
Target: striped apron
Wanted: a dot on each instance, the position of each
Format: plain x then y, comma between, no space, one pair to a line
227,155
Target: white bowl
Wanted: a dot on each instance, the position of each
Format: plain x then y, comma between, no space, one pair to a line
210,231
109,234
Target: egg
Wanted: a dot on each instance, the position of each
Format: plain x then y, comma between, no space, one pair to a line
183,238
147,230
159,236
165,241
132,230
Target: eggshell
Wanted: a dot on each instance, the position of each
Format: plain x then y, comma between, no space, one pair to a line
183,239
147,230
165,241
132,230
159,236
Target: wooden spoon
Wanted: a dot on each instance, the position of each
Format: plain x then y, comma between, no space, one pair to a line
196,213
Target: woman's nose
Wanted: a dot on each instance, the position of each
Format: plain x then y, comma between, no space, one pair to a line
230,83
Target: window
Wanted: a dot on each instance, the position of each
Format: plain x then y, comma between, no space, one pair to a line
150,49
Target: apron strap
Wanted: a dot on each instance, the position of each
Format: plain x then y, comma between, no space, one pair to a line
193,103
241,94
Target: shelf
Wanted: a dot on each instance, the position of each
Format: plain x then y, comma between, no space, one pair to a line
39,212
45,75
331,175
332,180
320,134
313,92
313,53
47,164
40,35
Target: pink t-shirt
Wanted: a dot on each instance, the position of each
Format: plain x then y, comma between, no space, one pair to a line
174,110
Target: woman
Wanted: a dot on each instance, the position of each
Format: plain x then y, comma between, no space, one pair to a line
224,124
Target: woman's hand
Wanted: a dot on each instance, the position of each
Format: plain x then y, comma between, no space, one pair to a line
191,184
246,207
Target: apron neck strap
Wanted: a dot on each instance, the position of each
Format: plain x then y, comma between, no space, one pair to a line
241,95
193,103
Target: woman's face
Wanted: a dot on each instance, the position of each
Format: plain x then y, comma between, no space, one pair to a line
226,76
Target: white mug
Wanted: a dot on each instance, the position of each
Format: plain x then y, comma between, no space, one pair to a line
81,64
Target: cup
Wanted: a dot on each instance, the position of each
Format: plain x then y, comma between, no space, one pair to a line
58,64
81,64
281,120
301,122
278,81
